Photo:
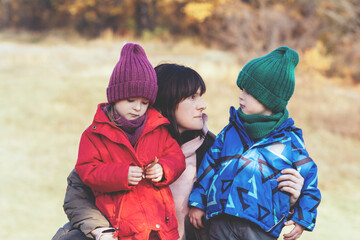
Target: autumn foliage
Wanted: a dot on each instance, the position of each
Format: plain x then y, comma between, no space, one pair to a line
330,29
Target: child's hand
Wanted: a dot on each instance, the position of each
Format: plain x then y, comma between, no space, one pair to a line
134,175
291,182
196,215
295,232
155,173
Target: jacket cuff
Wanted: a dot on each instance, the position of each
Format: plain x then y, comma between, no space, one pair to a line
197,205
100,232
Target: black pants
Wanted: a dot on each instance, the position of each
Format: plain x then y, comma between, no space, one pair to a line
233,228
196,234
74,234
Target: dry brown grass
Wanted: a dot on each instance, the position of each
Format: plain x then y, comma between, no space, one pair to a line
49,91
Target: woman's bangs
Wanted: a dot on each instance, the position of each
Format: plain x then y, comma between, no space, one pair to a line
192,83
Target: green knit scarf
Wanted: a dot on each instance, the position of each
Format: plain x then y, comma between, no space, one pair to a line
258,126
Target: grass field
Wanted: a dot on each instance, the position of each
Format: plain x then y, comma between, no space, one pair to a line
49,90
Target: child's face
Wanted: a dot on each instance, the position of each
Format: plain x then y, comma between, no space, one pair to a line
188,113
250,106
132,108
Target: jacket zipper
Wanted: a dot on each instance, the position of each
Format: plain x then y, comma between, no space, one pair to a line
277,224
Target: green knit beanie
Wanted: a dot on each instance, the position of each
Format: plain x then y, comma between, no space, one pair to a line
271,79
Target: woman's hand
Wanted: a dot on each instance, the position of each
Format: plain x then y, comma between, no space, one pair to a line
134,175
155,173
291,182
295,233
196,215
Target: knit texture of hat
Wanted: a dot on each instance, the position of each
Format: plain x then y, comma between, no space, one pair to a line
271,79
133,76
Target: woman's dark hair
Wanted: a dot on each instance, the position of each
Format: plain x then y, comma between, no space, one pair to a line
175,83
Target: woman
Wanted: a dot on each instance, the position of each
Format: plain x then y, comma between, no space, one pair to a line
179,99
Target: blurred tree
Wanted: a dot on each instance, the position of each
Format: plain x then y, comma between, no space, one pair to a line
340,33
24,14
251,26
145,15
90,17
6,14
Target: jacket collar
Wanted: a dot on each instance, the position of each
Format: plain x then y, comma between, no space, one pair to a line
280,134
102,125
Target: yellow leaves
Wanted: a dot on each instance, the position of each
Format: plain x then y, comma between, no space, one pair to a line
316,58
76,6
279,7
90,16
199,11
326,5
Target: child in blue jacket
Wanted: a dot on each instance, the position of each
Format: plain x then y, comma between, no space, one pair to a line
236,185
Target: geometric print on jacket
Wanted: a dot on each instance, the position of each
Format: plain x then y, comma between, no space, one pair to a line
238,177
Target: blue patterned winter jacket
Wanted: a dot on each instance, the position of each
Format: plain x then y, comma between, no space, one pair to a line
238,177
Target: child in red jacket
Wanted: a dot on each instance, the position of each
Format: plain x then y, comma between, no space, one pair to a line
127,156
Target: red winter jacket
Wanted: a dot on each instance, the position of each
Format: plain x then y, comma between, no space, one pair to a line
105,155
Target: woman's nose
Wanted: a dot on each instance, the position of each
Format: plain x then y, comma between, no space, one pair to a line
202,105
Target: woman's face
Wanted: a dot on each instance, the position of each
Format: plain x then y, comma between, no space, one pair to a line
188,114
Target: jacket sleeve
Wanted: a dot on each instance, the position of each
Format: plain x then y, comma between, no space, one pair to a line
79,206
205,174
305,210
100,176
171,159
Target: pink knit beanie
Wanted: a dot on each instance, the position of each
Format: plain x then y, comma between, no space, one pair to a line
133,76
